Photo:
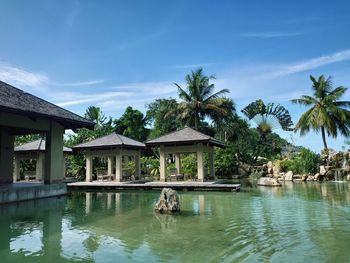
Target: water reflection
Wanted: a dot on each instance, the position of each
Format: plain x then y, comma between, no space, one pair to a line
258,224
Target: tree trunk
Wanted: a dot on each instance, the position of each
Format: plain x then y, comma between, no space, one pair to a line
196,121
324,138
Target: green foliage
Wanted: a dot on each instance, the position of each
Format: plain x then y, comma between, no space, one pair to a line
162,115
132,124
150,166
26,138
198,100
327,113
226,163
189,164
306,162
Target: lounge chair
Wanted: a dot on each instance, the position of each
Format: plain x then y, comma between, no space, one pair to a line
29,175
175,176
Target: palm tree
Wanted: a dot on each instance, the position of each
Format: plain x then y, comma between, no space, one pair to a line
199,100
95,114
327,112
267,118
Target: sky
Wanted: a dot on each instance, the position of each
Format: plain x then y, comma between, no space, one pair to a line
113,54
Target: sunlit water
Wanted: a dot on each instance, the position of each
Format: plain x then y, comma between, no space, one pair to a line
295,223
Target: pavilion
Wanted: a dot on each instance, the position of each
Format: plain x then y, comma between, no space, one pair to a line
186,140
34,151
113,146
22,113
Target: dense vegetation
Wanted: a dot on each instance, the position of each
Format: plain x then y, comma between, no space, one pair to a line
250,141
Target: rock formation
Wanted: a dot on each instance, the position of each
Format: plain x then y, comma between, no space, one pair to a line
168,202
267,181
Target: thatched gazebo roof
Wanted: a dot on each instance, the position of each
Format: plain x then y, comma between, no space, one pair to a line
185,136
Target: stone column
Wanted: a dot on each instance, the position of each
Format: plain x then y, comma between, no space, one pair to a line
200,162
109,165
17,169
54,154
88,168
137,166
119,167
178,162
39,167
211,164
6,156
162,163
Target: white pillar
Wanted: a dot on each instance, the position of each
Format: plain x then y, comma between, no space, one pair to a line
17,168
200,162
39,167
178,162
211,164
162,163
137,166
119,167
54,154
109,165
88,167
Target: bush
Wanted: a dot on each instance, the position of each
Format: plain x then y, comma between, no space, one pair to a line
225,162
306,162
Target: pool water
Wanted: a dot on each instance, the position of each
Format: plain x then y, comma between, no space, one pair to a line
294,223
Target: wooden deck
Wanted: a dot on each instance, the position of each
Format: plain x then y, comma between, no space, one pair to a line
182,186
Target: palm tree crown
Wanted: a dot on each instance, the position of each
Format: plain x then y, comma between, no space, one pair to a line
199,100
327,112
95,114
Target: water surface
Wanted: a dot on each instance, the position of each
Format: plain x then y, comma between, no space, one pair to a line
295,223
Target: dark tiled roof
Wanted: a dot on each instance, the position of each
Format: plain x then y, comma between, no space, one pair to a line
38,145
17,101
185,136
113,140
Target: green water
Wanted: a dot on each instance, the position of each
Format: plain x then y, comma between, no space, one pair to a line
295,223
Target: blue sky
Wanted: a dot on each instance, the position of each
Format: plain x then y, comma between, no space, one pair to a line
118,53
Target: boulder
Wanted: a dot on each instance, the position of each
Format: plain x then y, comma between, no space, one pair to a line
270,167
317,177
267,181
168,202
348,177
276,171
288,176
304,177
322,170
311,178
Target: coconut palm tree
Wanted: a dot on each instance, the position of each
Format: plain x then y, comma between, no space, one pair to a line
327,112
198,99
95,114
267,118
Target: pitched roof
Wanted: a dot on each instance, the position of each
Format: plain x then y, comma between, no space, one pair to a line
185,136
113,140
34,146
17,101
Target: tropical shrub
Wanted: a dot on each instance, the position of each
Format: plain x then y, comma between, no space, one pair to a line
306,162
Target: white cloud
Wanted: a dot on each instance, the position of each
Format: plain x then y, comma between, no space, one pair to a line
82,98
21,77
193,66
310,64
271,34
82,83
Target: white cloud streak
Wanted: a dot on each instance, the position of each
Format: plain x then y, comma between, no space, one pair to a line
271,34
310,64
83,83
21,77
193,66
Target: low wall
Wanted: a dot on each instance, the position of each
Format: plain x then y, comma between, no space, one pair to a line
16,193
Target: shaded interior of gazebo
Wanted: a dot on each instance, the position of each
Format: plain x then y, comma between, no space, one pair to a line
183,141
34,151
113,147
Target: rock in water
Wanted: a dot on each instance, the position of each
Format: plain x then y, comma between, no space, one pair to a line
288,176
267,181
168,202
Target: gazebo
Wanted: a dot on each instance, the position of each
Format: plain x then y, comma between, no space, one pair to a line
113,146
34,151
22,113
186,140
